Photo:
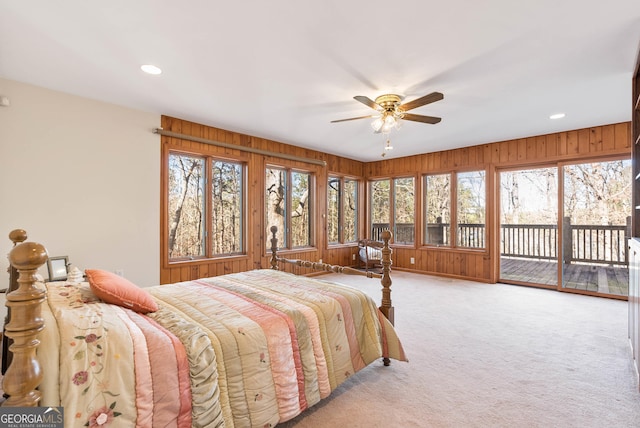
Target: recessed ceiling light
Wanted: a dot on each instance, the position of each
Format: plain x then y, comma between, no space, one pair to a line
557,116
151,69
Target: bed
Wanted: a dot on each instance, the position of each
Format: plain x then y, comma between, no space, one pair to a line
254,348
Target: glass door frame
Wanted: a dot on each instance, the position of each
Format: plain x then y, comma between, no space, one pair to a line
561,231
498,227
560,167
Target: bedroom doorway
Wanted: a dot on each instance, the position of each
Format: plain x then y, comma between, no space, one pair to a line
528,227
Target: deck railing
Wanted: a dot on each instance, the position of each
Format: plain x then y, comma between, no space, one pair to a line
600,244
532,241
403,233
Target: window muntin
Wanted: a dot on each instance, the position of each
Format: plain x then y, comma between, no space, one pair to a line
471,209
437,209
201,186
287,206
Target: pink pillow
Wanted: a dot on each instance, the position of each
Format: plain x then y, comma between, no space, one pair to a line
120,291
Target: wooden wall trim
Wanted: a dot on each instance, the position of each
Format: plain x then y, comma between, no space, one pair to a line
180,136
577,144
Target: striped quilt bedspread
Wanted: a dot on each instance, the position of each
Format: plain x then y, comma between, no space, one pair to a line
250,349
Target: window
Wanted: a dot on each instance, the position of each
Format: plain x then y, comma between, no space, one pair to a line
462,193
402,192
194,184
342,210
350,211
380,206
471,208
226,198
287,206
437,209
403,210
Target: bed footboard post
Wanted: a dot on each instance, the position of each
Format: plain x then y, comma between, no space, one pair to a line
274,248
16,236
386,308
24,373
385,305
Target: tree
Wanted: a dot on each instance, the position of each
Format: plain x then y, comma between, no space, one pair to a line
275,208
185,205
599,192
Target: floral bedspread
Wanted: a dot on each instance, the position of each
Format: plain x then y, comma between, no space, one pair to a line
248,349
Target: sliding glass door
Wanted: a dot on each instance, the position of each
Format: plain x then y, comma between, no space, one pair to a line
596,224
587,238
528,227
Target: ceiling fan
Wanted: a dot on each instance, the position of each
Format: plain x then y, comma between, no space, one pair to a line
390,111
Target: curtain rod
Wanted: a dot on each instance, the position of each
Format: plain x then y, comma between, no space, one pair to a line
236,147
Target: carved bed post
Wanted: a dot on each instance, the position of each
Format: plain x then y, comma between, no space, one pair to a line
24,374
274,248
16,236
385,306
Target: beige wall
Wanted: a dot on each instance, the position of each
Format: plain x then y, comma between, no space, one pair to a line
81,177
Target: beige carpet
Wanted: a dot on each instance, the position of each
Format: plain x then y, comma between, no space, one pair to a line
485,355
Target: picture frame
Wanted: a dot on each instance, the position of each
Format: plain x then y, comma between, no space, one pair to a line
58,268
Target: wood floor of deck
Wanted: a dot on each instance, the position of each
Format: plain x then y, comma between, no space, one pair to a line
605,279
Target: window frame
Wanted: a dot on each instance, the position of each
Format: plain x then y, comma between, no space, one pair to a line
342,179
425,217
453,210
209,158
484,215
286,243
392,208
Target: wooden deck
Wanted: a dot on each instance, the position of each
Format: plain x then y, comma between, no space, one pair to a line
605,279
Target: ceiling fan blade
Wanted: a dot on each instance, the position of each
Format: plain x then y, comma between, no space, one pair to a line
427,99
419,118
367,101
352,118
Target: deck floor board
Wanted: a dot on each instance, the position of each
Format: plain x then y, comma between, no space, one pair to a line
577,276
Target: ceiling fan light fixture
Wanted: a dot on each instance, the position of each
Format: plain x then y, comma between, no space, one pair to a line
390,120
390,112
388,126
377,124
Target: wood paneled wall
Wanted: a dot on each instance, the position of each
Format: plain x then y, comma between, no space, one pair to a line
584,144
589,143
256,239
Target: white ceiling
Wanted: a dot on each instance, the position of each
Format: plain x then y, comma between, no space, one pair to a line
283,69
